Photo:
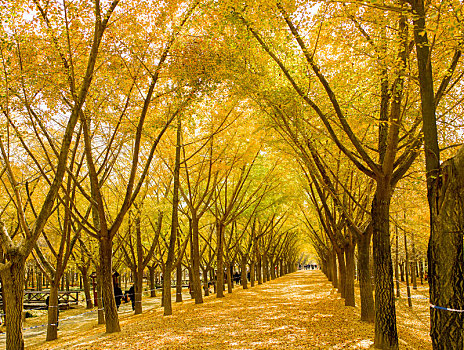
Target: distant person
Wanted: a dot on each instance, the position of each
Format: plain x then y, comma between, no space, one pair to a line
131,295
117,294
47,301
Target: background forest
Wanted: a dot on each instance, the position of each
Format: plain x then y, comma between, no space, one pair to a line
181,138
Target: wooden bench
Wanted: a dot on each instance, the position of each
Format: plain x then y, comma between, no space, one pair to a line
37,299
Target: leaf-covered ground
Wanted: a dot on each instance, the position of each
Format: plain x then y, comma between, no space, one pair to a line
297,311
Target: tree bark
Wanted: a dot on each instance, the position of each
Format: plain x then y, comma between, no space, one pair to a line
151,270
386,336
179,284
13,284
341,273
364,275
196,259
109,303
244,272
260,270
85,281
349,280
445,255
220,260
52,326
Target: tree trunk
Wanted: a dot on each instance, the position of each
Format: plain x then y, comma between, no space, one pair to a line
265,269
244,272
398,294
196,260
414,264
220,260
252,273
85,281
230,282
445,255
364,275
13,285
109,304
138,283
334,269
52,326
386,335
260,270
341,273
151,270
272,269
408,289
100,311
179,284
349,281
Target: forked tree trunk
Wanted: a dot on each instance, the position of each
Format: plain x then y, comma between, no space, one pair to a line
13,284
364,275
52,326
349,281
445,255
386,336
109,304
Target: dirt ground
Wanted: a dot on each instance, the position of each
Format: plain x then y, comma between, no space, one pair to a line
297,311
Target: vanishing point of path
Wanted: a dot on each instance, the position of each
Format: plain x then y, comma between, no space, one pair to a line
297,311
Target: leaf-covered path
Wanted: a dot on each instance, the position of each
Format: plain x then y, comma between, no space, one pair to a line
297,311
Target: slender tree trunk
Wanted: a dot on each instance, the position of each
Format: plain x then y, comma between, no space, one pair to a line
13,286
179,284
414,264
349,281
398,294
273,270
109,304
365,283
252,273
244,272
341,273
151,270
196,259
205,282
386,335
52,326
174,225
230,282
220,260
138,283
85,281
408,289
260,270
265,269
